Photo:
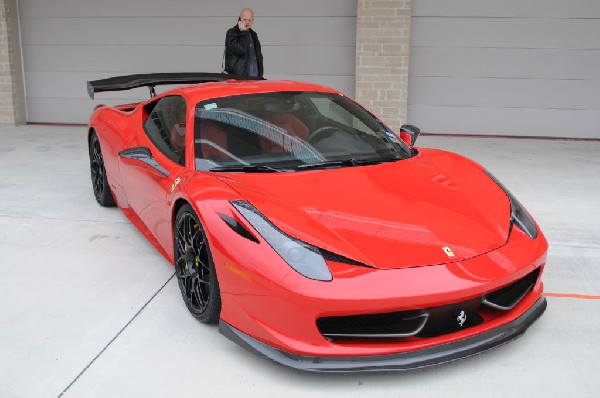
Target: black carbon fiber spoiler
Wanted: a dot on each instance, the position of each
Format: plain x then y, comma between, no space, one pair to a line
151,80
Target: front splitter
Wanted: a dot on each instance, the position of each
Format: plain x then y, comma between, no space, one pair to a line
392,362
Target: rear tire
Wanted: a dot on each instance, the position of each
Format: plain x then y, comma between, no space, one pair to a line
194,267
98,173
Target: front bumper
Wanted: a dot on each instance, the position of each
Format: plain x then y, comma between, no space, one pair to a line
393,362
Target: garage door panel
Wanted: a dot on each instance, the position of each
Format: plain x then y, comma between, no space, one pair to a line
309,60
505,121
511,63
343,83
144,59
111,31
505,93
148,59
508,8
51,110
532,33
506,67
183,31
129,8
60,85
315,31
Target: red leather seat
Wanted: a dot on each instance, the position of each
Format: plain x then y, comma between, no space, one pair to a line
210,131
178,137
291,124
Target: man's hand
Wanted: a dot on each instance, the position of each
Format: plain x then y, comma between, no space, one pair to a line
242,26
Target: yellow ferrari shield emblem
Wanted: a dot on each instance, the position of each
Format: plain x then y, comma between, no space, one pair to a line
448,251
175,184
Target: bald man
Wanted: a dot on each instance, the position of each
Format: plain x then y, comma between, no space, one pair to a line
242,49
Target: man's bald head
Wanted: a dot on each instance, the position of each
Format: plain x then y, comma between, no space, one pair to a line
246,18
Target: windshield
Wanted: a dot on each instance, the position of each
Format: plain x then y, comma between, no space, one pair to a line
290,131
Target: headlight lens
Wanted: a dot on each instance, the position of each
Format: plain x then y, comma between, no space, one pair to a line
304,258
518,215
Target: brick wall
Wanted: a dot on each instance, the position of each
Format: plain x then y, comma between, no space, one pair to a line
382,54
10,112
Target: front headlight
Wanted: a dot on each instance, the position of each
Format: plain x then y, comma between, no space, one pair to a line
304,258
518,215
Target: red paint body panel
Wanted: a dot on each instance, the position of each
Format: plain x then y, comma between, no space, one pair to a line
295,303
395,218
400,213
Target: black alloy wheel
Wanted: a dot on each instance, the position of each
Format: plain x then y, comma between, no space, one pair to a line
194,267
98,172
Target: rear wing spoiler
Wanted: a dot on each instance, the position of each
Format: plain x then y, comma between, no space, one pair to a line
151,80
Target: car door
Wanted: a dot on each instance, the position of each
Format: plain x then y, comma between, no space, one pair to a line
153,164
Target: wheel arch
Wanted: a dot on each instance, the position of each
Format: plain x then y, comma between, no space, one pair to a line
91,130
179,203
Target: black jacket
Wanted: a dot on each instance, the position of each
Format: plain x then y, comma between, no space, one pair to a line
237,45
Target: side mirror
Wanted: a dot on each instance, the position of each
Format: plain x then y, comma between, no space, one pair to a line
409,134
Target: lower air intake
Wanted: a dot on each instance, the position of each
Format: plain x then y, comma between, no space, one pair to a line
509,296
427,322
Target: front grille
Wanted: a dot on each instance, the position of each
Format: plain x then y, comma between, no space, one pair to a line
426,322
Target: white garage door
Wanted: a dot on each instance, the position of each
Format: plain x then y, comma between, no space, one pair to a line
508,67
65,43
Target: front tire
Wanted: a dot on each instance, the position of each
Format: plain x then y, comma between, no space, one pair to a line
194,267
98,173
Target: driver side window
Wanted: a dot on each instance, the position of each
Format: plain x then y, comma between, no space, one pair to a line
165,126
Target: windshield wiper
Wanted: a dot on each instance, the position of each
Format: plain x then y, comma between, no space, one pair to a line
248,168
344,163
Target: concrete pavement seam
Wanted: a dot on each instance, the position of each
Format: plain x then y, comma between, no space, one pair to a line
64,219
117,335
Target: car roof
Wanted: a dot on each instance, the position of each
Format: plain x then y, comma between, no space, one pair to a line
203,91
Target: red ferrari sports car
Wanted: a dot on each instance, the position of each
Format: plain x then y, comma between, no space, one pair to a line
310,231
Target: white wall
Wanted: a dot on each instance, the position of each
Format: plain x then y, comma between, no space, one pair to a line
68,42
508,67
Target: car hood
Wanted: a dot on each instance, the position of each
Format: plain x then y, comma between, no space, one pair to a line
433,208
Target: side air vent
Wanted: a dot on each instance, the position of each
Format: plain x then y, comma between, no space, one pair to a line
238,228
327,255
509,296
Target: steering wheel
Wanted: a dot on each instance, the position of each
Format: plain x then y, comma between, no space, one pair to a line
319,133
